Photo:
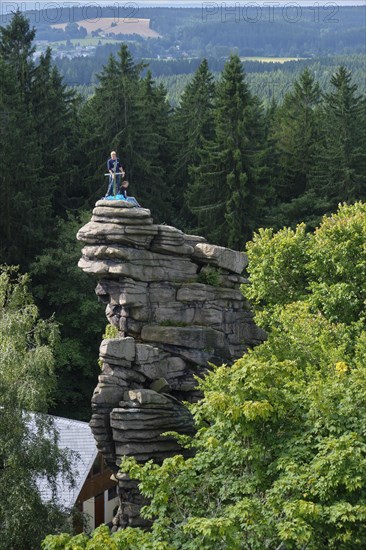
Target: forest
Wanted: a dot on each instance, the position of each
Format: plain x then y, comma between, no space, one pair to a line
222,164
252,28
312,34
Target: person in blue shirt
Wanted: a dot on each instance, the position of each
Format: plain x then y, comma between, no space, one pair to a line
116,171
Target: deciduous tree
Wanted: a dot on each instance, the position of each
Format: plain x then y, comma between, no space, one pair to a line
28,444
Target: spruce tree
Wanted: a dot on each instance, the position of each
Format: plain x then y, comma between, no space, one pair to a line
225,193
270,163
32,104
341,169
296,134
151,158
192,126
129,114
17,49
295,131
25,208
54,111
108,117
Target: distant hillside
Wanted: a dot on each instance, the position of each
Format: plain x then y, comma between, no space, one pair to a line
111,26
250,30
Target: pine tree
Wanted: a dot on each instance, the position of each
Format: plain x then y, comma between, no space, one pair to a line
225,193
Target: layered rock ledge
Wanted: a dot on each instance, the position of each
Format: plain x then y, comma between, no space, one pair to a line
176,303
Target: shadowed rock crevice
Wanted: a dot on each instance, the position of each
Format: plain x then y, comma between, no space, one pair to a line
177,305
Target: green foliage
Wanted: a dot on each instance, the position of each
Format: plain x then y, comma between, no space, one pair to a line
130,114
192,125
38,133
101,539
17,49
23,215
56,122
269,80
27,344
338,258
341,174
295,129
63,290
277,266
110,332
277,432
280,449
327,268
28,444
210,275
225,192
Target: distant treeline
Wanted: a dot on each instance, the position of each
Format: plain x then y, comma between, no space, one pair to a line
274,80
268,80
214,31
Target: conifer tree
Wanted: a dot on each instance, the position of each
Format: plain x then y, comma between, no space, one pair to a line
151,155
109,117
17,49
192,126
128,114
36,143
341,169
270,163
25,209
54,111
225,192
296,134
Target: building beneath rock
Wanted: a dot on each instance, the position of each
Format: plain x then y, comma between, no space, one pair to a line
176,305
94,493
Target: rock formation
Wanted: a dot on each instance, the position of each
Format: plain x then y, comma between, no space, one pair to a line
177,305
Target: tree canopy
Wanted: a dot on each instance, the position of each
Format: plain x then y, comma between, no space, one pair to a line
221,164
280,450
28,443
279,459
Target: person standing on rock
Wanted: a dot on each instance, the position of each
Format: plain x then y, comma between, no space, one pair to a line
115,173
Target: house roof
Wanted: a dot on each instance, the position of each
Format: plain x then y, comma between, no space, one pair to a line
77,437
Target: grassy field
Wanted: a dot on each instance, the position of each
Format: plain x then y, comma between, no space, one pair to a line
111,25
272,59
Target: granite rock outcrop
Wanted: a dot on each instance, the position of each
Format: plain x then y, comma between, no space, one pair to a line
175,301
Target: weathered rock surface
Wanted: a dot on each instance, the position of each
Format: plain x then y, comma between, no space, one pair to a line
221,257
171,324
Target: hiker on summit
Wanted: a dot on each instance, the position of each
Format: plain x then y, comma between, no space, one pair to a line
115,173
